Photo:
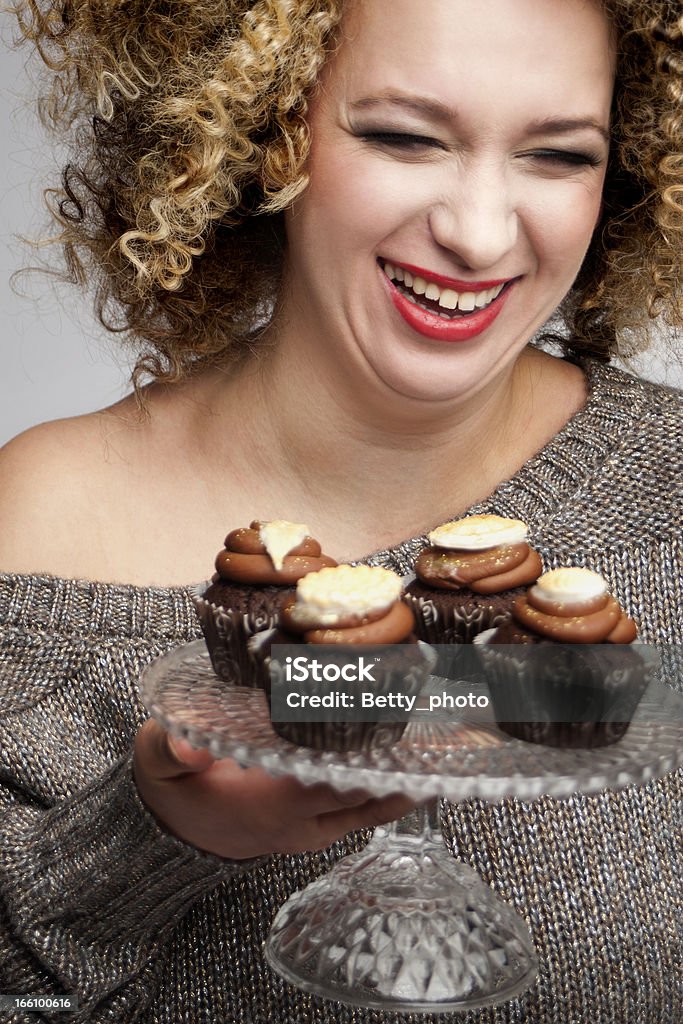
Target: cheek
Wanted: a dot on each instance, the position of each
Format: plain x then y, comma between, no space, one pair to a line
360,195
562,226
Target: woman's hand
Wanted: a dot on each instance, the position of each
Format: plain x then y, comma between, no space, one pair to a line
237,812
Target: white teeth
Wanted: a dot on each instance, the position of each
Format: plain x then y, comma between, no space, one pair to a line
447,298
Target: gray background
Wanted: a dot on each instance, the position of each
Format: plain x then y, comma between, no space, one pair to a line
55,359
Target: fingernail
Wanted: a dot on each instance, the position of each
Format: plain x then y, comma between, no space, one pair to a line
180,749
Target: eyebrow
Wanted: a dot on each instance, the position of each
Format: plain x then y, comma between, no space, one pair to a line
421,105
440,113
562,125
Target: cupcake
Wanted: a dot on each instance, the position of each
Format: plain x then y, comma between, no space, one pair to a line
348,614
563,670
468,577
256,572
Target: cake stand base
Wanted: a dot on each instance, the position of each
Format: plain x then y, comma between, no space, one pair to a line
402,925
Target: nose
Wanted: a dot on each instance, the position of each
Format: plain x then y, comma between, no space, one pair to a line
476,217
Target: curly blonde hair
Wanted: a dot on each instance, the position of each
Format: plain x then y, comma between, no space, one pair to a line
189,120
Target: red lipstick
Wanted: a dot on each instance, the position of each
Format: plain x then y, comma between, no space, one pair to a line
451,282
431,325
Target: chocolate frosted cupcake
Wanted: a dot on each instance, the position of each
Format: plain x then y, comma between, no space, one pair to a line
349,613
468,577
257,571
562,670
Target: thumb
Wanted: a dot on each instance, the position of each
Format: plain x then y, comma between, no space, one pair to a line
163,756
187,757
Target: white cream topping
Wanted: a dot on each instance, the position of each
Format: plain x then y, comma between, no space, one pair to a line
279,537
447,298
333,593
569,585
477,533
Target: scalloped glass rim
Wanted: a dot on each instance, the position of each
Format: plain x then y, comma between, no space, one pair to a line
459,760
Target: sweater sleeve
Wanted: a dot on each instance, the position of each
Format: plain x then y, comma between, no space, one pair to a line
90,885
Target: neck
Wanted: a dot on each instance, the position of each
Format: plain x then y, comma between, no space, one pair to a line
351,467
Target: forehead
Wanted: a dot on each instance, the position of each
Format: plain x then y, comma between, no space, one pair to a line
472,53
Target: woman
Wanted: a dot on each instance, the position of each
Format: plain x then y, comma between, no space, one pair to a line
333,331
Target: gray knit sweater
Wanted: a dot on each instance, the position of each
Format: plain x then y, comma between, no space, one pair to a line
96,899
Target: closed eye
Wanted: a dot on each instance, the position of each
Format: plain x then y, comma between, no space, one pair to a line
566,157
401,140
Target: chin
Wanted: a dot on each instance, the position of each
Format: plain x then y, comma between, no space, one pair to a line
425,390
444,381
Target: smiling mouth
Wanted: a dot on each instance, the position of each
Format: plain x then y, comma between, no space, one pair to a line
443,302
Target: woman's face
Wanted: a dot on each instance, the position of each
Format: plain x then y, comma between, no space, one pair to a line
458,155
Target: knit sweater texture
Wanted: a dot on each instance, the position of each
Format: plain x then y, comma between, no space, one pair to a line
96,899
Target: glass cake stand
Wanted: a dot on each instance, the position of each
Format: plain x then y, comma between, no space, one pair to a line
403,925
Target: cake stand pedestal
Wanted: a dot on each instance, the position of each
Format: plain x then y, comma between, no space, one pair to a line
402,925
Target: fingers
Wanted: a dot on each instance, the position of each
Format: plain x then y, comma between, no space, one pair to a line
390,808
328,827
376,811
321,798
162,756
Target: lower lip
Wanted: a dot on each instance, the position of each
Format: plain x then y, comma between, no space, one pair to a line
429,325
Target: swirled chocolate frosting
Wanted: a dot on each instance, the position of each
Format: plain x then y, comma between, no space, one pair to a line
487,554
572,605
253,555
349,605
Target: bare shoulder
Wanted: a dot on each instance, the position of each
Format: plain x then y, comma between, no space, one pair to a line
117,496
48,479
58,483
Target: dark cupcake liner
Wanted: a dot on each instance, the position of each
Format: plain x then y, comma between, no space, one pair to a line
227,633
346,735
447,617
456,616
341,736
258,606
561,695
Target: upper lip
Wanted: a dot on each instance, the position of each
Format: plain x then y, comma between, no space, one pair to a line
455,283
